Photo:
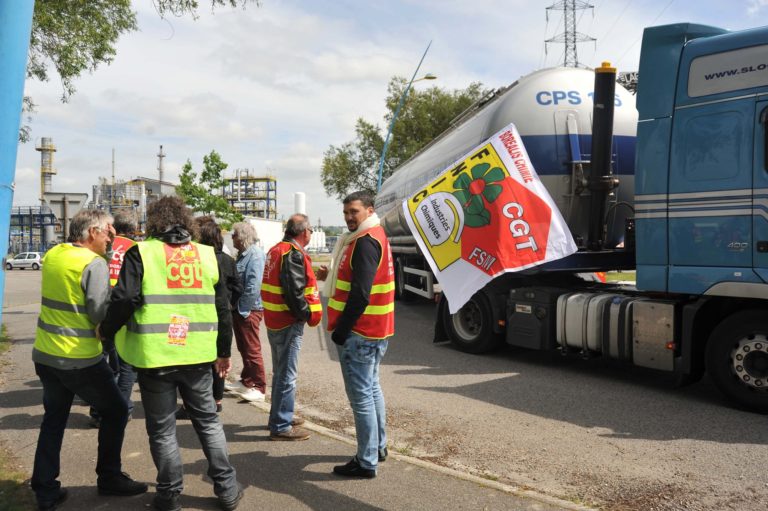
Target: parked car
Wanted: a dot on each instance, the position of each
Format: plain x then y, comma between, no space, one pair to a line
25,260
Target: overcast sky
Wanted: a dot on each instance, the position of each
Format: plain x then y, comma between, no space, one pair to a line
271,87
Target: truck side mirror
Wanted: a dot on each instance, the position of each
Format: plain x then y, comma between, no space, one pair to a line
764,123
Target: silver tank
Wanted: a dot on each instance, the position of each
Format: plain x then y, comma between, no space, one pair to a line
551,108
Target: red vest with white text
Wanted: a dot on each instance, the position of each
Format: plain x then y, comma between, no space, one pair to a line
119,247
277,315
378,319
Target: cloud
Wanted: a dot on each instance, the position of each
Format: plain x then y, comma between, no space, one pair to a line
755,6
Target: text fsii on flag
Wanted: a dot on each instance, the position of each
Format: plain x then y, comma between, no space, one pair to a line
486,215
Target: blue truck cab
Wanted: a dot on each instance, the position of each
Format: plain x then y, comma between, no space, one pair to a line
701,175
701,199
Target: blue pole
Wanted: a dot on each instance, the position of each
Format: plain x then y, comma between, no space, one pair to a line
15,29
394,118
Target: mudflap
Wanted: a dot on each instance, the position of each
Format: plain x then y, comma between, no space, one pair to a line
442,308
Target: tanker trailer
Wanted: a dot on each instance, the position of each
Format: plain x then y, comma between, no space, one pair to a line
552,109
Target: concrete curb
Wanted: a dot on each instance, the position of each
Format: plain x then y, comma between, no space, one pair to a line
505,488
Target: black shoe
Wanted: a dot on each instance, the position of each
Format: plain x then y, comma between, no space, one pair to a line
182,414
120,485
166,502
383,453
50,506
231,504
353,469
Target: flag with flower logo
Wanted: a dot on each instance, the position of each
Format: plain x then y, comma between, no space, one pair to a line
485,215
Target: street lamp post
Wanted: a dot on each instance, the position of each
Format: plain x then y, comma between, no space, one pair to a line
427,76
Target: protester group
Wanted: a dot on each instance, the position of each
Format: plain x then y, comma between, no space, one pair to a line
162,312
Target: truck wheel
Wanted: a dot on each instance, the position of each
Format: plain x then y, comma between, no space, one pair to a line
737,359
471,328
400,292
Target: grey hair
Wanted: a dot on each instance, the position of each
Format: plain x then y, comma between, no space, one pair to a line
245,232
84,220
297,224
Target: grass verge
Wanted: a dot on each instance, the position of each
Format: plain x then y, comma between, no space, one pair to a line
5,341
15,494
620,276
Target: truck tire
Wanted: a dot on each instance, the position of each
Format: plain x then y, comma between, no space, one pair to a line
400,292
471,329
737,359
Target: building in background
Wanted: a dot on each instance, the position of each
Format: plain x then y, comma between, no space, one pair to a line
37,228
251,195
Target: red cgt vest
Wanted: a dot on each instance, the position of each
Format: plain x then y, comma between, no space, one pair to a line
277,315
119,247
378,319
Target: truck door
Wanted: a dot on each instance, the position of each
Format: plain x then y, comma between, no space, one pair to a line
710,195
760,194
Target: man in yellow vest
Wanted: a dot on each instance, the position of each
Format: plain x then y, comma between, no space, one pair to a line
68,359
361,315
125,227
291,300
166,297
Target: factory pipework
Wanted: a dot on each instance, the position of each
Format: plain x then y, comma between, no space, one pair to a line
46,149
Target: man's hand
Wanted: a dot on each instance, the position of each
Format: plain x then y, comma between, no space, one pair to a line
338,338
322,272
98,333
222,366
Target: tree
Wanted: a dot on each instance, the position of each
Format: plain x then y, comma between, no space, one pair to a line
354,165
203,193
75,36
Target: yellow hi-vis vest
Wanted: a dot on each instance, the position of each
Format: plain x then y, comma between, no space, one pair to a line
177,324
64,328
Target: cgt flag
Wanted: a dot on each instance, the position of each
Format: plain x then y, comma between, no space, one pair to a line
486,215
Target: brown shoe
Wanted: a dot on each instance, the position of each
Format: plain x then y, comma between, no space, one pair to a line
291,435
297,421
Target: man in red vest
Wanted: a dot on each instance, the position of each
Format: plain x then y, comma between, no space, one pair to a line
361,315
291,299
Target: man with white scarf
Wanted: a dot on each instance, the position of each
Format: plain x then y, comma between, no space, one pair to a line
361,317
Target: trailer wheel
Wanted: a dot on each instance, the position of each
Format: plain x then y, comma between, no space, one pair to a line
400,291
737,359
471,328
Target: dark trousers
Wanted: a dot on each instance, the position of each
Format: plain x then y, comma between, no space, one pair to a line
158,395
96,385
249,346
218,385
125,375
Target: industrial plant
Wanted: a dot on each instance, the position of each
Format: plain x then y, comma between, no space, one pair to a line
37,228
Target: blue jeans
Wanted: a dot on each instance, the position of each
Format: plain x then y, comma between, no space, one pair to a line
125,376
285,344
96,385
360,359
158,395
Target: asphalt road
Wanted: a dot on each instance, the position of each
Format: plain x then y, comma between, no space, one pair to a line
580,430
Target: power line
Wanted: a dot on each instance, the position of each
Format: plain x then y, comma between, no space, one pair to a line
650,25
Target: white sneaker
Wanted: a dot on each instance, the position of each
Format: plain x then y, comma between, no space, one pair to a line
252,394
235,387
